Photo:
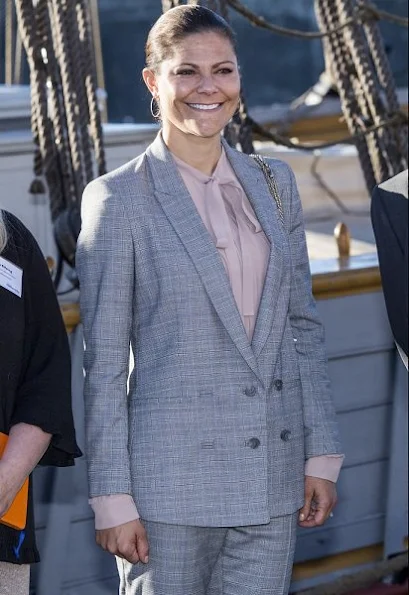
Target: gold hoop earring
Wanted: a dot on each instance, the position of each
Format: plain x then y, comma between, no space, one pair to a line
154,103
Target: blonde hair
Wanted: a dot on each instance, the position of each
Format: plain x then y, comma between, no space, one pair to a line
3,232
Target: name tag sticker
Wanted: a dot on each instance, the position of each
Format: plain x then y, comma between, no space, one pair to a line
11,277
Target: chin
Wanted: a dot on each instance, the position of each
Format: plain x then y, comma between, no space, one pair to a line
206,132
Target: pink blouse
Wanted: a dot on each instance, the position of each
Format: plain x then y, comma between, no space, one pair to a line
235,230
244,250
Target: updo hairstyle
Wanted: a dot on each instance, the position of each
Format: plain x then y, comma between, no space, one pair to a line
176,24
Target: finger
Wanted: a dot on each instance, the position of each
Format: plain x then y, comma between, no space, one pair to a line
130,553
112,548
306,511
310,521
313,510
322,513
112,544
101,540
143,548
320,517
308,524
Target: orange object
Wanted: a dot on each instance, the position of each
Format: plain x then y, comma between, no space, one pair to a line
16,516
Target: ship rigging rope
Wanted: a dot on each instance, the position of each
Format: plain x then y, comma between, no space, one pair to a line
9,32
358,67
363,13
357,61
66,120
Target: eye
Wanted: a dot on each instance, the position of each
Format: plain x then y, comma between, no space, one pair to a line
185,72
225,71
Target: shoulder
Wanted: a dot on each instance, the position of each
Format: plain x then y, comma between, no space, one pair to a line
283,176
275,164
389,207
23,250
16,229
281,170
110,194
396,185
119,180
391,197
20,241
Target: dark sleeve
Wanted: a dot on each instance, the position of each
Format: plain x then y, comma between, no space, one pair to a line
389,213
44,393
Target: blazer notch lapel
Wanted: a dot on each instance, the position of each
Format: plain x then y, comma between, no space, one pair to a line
255,186
180,210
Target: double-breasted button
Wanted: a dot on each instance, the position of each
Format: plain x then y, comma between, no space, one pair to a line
250,391
253,443
285,435
278,384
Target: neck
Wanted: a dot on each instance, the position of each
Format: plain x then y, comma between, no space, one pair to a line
201,153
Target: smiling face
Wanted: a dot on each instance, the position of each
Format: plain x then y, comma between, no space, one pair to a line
198,87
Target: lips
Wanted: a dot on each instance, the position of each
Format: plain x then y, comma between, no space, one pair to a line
204,106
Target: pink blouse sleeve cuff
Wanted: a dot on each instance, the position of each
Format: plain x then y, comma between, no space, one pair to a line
111,511
324,467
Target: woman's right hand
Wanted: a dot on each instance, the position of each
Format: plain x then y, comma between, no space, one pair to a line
25,447
128,541
9,486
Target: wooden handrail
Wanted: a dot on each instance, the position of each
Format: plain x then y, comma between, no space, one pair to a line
71,316
348,282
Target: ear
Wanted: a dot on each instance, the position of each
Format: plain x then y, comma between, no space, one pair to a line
149,78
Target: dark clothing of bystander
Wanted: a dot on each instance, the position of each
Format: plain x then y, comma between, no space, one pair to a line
389,211
35,373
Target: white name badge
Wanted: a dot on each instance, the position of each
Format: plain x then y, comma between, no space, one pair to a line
11,277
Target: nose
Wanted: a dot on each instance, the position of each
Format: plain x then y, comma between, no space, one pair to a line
207,84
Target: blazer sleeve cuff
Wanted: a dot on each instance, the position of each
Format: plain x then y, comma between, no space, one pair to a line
325,467
113,510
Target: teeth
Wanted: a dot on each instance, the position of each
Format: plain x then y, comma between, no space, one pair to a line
204,106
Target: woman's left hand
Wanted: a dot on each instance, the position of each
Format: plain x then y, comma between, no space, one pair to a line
320,498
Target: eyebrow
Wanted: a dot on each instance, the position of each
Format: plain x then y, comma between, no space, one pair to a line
214,65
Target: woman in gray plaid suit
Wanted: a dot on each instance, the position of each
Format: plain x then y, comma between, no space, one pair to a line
226,436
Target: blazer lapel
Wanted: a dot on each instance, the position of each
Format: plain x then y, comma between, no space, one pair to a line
253,181
181,212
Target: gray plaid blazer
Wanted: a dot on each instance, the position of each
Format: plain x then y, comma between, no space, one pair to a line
212,430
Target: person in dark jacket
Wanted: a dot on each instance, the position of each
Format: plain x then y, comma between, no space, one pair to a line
389,212
35,389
